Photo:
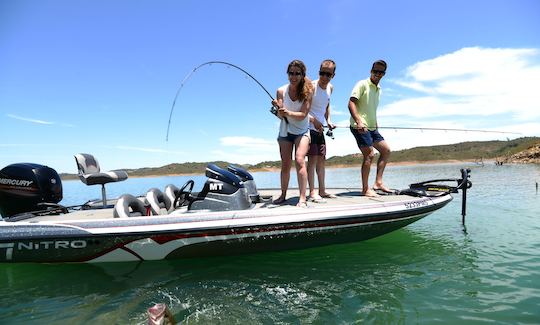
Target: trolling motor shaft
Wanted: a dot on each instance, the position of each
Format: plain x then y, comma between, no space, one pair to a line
463,184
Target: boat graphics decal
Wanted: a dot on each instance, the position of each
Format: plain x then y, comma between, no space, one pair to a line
41,245
416,204
159,247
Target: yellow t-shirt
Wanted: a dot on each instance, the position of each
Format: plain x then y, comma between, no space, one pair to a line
367,95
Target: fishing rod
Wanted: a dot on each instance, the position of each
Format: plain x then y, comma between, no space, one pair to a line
273,110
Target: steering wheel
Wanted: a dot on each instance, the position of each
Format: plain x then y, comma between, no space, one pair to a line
183,194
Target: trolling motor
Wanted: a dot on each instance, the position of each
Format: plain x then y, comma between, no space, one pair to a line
430,188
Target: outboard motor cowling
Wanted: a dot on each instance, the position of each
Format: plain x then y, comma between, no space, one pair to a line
222,191
249,183
23,186
247,180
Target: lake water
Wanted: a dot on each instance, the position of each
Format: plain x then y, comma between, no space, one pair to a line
428,272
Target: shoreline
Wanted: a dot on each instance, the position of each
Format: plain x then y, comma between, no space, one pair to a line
398,163
277,169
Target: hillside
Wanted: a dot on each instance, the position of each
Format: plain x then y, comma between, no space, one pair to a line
522,150
529,156
461,151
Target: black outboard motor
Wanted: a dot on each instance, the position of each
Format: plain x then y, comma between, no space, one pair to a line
24,186
222,191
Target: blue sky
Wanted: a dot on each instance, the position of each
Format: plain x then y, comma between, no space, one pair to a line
100,76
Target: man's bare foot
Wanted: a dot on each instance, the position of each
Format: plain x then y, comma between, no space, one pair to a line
382,188
369,193
280,200
328,196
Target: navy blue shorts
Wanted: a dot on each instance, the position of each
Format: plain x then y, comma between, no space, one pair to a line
366,139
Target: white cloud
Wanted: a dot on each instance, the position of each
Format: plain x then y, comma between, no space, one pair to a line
36,121
336,112
248,143
247,150
26,119
472,81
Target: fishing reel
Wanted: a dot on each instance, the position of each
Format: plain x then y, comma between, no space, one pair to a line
274,110
330,134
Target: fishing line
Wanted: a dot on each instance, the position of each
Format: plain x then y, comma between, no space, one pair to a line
432,129
200,66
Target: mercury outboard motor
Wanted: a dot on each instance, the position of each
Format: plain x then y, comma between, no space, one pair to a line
26,186
222,191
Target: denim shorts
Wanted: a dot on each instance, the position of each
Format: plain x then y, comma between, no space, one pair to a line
292,137
366,139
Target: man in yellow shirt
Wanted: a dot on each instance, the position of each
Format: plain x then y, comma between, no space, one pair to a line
363,104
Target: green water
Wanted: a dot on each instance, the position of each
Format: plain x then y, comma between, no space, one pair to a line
429,272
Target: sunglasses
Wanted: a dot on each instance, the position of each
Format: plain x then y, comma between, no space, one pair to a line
378,72
292,73
325,74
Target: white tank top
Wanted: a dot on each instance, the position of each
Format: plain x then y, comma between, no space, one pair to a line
319,102
293,126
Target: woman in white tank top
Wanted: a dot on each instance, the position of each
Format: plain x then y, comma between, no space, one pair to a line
293,102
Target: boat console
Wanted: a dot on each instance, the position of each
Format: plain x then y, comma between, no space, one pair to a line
222,191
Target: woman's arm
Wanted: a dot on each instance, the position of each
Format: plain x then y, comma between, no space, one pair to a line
304,110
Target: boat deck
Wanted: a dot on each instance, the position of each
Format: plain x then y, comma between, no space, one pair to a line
344,196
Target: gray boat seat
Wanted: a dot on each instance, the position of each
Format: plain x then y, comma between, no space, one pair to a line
159,202
90,173
171,192
128,206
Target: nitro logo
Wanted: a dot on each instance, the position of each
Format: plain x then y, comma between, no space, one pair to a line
41,245
216,186
16,182
9,250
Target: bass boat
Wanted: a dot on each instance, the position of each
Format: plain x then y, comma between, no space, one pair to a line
229,216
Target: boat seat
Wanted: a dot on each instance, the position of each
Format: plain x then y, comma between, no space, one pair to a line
90,174
171,192
159,202
128,206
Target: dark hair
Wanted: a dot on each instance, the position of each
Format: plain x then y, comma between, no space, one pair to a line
305,84
379,62
329,61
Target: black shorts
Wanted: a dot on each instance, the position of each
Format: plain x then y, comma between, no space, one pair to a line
318,144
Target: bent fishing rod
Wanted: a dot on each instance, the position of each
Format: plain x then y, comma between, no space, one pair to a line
273,110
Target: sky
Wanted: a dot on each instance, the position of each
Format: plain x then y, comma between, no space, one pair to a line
100,77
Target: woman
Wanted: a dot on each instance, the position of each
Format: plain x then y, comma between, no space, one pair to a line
293,101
